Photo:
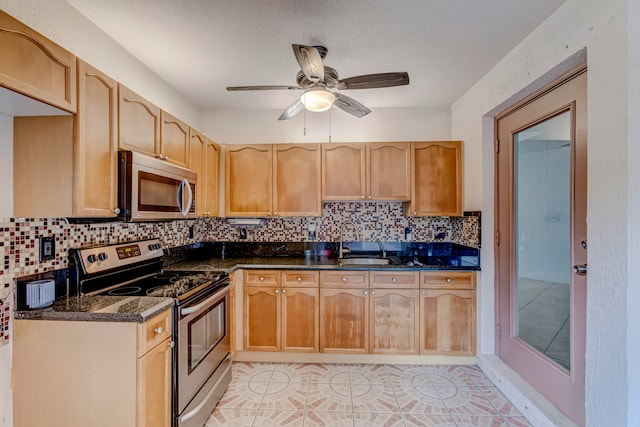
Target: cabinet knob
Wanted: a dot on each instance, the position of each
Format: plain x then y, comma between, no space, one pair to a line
373,292
159,156
394,280
275,214
116,211
344,279
158,330
277,291
262,278
448,280
423,292
284,291
171,344
299,279
268,213
365,292
166,158
362,197
414,213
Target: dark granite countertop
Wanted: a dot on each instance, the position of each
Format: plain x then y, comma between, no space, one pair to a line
100,309
230,264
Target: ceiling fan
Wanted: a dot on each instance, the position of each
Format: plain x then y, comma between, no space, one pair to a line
320,84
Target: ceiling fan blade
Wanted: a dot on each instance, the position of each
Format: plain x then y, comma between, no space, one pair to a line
310,62
372,81
273,87
350,105
293,109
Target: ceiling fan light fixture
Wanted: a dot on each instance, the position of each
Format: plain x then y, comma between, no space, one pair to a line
317,100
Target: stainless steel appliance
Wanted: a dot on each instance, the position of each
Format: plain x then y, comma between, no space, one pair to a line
201,362
153,189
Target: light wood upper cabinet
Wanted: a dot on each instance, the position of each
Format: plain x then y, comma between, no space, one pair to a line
436,171
248,180
138,123
343,172
67,166
296,180
35,66
204,158
394,326
388,167
174,139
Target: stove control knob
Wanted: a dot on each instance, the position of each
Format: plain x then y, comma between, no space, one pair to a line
102,256
92,258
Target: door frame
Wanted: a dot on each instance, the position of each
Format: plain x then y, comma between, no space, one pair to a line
506,326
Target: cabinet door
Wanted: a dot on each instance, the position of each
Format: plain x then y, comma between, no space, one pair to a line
197,150
394,321
343,171
96,148
448,322
296,178
212,179
248,182
261,319
174,139
154,387
138,123
437,178
35,66
388,171
344,320
300,319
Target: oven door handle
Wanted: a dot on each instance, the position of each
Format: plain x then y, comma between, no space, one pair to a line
194,308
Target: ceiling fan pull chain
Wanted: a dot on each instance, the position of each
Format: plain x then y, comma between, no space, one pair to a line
305,120
330,125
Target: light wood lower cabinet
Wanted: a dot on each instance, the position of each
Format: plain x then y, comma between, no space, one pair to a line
344,315
300,319
262,319
101,374
394,326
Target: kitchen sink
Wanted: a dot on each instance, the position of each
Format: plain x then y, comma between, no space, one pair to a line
364,261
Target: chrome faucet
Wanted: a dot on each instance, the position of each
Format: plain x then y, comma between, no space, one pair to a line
383,253
341,250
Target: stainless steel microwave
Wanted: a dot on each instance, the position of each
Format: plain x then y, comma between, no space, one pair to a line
152,190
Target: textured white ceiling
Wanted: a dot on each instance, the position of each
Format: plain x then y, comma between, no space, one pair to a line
202,46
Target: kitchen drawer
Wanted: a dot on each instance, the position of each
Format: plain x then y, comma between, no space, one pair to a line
390,280
344,279
262,278
300,279
448,279
154,331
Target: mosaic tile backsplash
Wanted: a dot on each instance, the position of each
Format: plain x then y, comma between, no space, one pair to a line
19,237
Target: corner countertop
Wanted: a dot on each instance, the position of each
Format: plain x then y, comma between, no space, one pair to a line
100,309
230,264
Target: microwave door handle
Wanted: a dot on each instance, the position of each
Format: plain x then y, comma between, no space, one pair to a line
187,208
179,197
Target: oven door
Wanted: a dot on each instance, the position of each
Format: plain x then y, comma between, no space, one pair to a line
203,344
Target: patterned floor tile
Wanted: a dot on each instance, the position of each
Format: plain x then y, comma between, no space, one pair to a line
373,398
377,419
328,419
285,396
278,418
330,373
466,401
243,395
428,420
329,397
477,376
419,399
292,372
479,421
248,371
368,374
231,417
518,422
408,374
448,375
501,403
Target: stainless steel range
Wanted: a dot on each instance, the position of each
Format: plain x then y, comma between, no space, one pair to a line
201,362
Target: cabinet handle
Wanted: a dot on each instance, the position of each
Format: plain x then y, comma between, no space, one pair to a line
116,211
423,292
373,292
394,280
158,330
448,280
277,291
284,291
299,279
366,292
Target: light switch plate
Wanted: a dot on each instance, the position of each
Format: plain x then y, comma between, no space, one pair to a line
47,248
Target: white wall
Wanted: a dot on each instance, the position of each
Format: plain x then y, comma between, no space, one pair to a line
63,24
613,177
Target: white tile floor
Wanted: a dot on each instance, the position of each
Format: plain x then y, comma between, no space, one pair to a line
337,395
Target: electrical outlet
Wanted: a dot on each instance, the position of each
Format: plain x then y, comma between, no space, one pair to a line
243,233
47,248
